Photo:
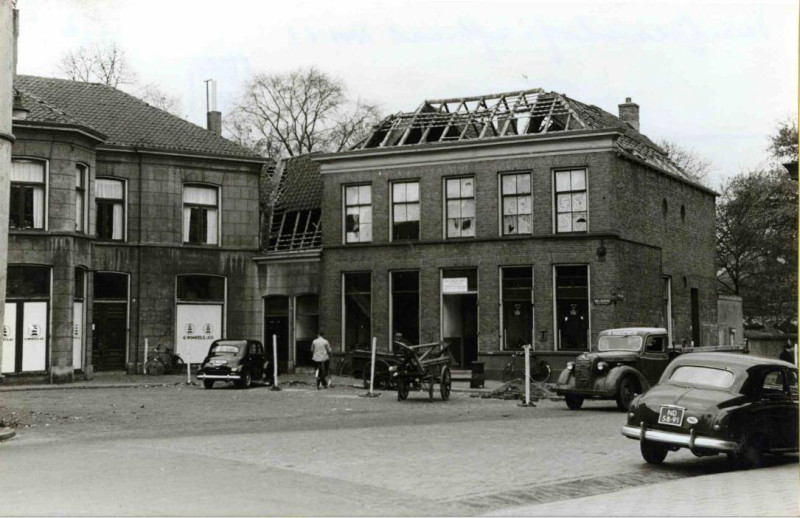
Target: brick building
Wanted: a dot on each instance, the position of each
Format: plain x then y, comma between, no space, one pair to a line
126,224
508,219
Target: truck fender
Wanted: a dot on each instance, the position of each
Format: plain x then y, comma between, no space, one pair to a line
614,377
564,377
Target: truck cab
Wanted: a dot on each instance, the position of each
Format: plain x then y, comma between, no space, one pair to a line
625,362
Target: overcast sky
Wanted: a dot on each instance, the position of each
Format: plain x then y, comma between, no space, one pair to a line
715,77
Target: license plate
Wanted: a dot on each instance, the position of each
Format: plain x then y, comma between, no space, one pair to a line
671,415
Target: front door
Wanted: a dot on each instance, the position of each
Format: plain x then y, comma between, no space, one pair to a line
460,327
110,336
278,326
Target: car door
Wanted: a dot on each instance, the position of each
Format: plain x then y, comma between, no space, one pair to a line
778,409
258,360
792,425
654,358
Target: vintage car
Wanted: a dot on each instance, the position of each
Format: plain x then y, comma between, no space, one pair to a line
624,362
742,405
240,361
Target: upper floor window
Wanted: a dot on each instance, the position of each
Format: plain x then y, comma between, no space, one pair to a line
517,211
571,204
27,195
200,215
460,207
80,197
358,213
405,211
109,196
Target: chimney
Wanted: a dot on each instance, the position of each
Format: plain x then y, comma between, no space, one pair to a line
213,117
629,112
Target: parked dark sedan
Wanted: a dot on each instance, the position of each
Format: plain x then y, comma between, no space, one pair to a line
744,406
240,361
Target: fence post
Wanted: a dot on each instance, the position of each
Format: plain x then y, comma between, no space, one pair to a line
372,369
275,363
188,373
527,402
144,369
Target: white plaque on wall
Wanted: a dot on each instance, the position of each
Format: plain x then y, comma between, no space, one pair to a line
455,285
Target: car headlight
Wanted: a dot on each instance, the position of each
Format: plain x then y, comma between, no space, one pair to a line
570,366
602,366
236,369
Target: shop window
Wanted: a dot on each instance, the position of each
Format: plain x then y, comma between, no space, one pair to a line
572,307
460,207
357,310
571,204
405,211
196,288
306,327
358,213
405,305
81,178
28,282
200,215
517,203
109,198
517,306
27,195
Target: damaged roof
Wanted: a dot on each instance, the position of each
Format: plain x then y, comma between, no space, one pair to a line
507,115
300,186
123,119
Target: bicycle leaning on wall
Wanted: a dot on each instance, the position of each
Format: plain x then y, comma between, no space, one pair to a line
540,370
164,361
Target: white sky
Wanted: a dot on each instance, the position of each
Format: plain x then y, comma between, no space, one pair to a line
711,76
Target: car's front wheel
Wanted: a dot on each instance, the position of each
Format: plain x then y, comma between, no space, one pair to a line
574,402
627,391
246,379
653,453
752,453
209,384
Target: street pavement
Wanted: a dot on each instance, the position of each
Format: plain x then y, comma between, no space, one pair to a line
179,449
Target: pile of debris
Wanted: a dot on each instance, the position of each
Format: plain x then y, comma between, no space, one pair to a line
515,389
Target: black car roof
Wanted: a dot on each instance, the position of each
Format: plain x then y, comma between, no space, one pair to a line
733,362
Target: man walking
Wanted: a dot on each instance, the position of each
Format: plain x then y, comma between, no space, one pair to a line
321,355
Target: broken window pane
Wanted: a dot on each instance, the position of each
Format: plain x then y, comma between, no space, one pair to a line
510,224
578,221
466,188
467,227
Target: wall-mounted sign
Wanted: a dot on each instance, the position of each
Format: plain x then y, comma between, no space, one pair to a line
602,302
455,285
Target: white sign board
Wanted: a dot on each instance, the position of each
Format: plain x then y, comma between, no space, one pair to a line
455,285
197,326
10,338
77,335
34,336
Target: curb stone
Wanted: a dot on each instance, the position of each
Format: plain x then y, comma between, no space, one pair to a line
6,434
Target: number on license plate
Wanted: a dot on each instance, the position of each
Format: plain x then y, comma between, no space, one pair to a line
671,415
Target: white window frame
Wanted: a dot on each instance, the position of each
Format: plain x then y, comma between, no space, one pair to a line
445,212
554,195
501,196
85,212
124,208
218,208
344,213
392,204
46,215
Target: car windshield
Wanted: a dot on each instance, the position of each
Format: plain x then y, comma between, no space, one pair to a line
619,343
704,376
226,348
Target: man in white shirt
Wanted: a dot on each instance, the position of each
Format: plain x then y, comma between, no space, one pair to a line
321,355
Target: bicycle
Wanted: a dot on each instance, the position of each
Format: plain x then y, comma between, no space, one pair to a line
540,370
344,367
164,361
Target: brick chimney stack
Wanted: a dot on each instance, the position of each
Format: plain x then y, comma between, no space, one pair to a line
213,117
629,112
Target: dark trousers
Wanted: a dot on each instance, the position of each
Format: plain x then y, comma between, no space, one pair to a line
322,372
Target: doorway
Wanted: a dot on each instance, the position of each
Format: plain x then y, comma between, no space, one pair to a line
459,289
25,326
572,307
110,321
276,322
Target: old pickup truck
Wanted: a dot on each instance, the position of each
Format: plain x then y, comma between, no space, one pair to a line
624,363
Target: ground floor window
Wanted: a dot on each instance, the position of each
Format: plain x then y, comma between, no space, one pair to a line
25,329
517,306
110,321
405,306
459,289
572,307
276,324
357,310
306,327
199,314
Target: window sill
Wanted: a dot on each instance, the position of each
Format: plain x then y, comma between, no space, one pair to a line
200,245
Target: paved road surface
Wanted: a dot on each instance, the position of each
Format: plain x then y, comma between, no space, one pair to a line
184,450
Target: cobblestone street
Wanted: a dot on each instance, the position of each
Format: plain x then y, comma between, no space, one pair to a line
179,449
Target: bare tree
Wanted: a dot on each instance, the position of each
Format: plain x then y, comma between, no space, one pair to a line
298,112
155,96
97,63
687,159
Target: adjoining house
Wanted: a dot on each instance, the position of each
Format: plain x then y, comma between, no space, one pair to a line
126,224
509,219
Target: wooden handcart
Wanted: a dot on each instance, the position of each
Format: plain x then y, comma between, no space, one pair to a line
422,366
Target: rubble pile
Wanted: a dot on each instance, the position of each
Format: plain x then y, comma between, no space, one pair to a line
515,389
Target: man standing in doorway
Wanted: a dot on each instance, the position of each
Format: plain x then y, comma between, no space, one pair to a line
321,355
574,328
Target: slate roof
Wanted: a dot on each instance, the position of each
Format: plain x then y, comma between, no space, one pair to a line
509,115
124,119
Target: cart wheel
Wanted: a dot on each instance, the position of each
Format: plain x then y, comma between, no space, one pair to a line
445,384
402,389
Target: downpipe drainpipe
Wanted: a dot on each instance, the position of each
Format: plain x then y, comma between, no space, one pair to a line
139,268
